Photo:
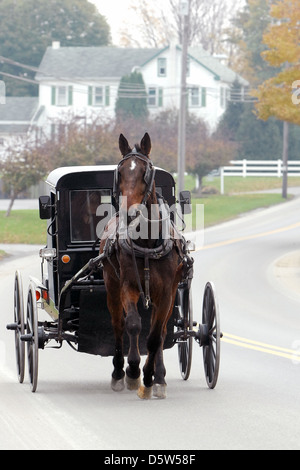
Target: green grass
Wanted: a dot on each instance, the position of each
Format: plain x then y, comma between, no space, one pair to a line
218,209
22,226
238,184
25,226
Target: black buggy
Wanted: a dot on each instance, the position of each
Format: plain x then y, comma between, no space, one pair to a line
72,291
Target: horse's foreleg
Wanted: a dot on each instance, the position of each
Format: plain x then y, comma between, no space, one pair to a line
116,311
160,370
159,383
154,344
133,327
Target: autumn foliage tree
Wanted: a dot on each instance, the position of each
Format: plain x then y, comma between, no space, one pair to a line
283,41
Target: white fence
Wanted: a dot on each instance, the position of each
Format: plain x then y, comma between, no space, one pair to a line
258,168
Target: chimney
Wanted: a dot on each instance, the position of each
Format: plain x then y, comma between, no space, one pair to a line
55,44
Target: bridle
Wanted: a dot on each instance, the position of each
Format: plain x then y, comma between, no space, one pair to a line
148,176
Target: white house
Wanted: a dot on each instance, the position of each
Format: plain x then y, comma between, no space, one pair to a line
84,80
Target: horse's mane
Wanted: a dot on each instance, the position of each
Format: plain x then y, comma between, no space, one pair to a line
137,148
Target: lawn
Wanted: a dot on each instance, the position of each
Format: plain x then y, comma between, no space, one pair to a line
238,184
25,226
22,226
218,209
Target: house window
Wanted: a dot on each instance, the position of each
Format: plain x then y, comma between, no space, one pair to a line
62,95
162,67
98,95
152,97
197,97
155,97
194,97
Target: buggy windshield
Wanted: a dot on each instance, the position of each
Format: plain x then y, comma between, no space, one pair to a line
83,213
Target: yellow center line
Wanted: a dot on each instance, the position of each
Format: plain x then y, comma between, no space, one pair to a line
249,237
290,354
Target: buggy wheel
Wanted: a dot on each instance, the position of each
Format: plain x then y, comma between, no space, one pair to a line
185,324
19,326
32,337
211,343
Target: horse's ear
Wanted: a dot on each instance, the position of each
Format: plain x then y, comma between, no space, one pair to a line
146,144
124,146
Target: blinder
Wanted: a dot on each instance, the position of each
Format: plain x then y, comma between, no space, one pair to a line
148,176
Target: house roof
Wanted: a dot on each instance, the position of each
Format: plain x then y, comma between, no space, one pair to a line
113,62
213,64
18,113
91,62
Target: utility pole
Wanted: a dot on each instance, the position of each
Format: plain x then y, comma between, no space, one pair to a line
285,159
185,13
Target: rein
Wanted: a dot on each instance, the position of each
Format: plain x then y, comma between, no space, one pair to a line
127,244
115,243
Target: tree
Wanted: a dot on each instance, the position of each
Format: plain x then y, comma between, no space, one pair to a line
252,22
230,121
27,27
205,152
21,168
132,98
76,142
283,42
275,94
258,140
161,23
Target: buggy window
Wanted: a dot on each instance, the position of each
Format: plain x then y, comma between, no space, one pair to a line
83,209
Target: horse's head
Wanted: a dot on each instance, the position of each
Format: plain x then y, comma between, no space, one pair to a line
135,173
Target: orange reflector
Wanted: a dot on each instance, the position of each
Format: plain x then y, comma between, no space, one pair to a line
37,295
45,295
65,259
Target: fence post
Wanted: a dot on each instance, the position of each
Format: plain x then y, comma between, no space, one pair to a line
279,168
222,179
244,168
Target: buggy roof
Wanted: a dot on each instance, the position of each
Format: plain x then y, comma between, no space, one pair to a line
56,178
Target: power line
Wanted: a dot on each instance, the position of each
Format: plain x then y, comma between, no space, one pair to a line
235,95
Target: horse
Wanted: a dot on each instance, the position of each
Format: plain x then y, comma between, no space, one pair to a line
147,268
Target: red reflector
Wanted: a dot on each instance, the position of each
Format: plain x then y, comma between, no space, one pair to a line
45,295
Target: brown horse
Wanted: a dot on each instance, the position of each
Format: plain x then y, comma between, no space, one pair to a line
133,270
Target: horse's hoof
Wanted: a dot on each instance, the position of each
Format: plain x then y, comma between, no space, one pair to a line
145,393
117,385
160,390
133,384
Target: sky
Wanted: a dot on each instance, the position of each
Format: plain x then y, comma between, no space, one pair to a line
119,15
116,12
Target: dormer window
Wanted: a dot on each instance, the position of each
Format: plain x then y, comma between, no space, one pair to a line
162,67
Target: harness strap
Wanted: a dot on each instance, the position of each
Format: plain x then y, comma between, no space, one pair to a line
144,295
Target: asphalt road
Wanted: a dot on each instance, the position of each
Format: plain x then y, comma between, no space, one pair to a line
256,402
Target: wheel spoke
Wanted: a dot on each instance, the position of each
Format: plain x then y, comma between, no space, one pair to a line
19,320
211,350
185,317
32,346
